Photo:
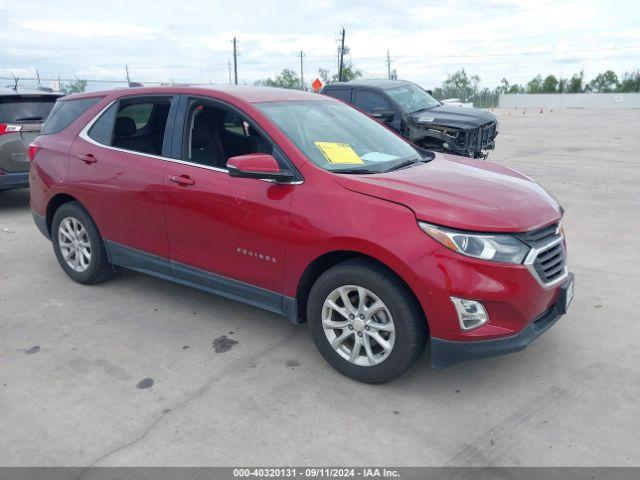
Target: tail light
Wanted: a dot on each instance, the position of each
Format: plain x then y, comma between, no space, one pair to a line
9,128
34,148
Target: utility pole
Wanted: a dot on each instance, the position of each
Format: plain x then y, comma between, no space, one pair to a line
235,61
301,71
341,57
388,65
229,65
38,75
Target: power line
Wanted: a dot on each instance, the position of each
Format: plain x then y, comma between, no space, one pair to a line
549,52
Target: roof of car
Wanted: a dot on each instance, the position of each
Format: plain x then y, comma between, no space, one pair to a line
244,93
382,83
9,90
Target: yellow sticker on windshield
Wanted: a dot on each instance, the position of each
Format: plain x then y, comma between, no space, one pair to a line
339,153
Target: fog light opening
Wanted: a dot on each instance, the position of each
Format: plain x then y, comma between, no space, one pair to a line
471,314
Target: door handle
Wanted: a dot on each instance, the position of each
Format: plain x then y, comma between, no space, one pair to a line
181,180
88,158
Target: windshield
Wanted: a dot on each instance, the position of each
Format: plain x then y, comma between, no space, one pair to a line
339,138
27,109
412,98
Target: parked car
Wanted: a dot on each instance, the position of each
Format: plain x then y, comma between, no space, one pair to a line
301,205
420,118
22,112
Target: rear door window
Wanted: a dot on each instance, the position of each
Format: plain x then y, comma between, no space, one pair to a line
65,112
137,124
367,101
26,108
343,94
139,112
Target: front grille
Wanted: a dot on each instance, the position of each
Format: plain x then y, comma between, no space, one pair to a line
549,259
550,264
481,137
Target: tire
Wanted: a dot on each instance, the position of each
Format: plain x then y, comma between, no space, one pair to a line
92,268
400,325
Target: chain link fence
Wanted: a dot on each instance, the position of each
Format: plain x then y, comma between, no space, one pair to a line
481,99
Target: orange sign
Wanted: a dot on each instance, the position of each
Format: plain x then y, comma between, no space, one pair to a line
316,85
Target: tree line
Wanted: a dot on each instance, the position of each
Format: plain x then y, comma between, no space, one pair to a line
464,86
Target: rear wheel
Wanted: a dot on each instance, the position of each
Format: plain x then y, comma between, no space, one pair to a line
78,245
364,322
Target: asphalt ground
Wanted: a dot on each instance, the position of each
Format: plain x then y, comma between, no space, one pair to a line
139,371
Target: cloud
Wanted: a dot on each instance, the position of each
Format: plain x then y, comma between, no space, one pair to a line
87,28
191,41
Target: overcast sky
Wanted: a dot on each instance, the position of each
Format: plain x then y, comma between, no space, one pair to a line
184,40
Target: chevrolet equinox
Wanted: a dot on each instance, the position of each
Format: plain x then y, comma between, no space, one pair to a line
301,205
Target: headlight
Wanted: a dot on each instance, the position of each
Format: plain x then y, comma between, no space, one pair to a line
496,247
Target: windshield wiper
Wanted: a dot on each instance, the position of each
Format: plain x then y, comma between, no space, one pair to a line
423,109
406,163
364,171
28,119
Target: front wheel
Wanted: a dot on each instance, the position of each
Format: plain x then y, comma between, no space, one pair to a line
364,322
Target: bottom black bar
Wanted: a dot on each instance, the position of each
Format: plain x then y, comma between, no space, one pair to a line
397,473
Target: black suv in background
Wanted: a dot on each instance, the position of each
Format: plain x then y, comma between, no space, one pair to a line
420,118
22,112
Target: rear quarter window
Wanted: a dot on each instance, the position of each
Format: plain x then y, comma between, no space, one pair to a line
65,112
102,129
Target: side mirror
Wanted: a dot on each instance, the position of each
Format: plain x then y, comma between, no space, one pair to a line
383,114
258,165
430,92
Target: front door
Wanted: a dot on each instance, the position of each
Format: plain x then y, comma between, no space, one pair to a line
226,234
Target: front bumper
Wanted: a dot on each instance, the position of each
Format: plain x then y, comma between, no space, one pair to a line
9,181
446,352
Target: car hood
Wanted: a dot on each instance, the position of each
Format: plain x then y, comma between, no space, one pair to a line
453,116
463,193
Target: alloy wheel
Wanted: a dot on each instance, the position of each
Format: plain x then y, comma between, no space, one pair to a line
74,244
358,325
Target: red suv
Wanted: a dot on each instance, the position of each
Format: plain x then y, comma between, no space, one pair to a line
299,204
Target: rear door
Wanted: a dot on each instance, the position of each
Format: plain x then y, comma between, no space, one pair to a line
116,169
370,100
